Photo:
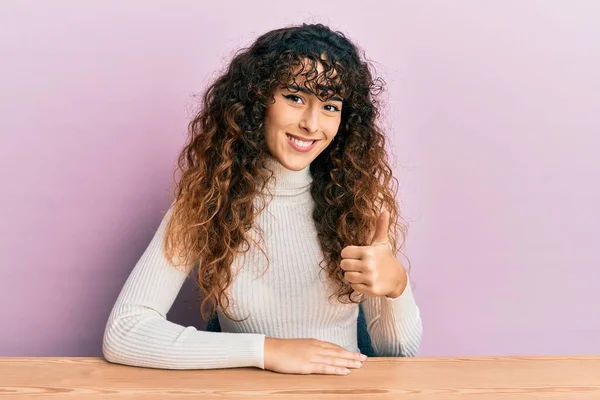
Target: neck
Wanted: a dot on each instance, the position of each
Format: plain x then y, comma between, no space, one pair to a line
286,181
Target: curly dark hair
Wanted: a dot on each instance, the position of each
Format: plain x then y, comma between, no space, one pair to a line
223,164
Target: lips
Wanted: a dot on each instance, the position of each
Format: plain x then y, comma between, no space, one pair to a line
300,138
298,147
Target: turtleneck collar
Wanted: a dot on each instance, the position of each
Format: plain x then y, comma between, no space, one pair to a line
286,181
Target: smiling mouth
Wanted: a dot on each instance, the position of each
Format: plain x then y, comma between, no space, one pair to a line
300,142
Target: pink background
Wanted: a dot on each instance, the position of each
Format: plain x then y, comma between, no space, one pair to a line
494,114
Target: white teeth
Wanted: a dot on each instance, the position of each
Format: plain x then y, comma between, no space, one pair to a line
301,143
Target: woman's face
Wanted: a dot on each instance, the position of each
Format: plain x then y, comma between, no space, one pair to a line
299,126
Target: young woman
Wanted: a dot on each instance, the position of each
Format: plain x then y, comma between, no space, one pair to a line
285,216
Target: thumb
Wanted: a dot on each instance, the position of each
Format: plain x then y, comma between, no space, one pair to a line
381,228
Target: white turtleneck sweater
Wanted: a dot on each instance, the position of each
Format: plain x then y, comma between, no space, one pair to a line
291,300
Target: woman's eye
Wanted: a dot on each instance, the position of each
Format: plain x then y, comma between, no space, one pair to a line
293,97
299,100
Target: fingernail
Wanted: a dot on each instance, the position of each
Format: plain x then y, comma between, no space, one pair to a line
345,371
363,357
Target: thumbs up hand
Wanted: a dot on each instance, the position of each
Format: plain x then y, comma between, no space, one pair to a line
373,270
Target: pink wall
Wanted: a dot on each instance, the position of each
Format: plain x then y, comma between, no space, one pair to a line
495,111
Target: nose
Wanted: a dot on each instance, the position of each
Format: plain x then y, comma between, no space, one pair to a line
310,120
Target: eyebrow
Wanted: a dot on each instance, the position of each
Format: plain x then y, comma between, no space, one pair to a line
296,88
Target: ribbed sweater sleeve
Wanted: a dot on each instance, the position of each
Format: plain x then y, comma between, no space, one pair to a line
394,325
137,332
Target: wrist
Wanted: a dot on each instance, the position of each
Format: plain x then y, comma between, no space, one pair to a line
270,345
400,286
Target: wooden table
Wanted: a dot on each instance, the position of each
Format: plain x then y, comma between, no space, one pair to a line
486,378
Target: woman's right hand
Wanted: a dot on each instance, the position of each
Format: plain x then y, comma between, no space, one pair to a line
309,356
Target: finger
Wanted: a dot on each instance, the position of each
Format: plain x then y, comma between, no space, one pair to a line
326,369
356,277
381,228
352,252
352,265
342,354
339,351
362,288
338,361
335,347
329,345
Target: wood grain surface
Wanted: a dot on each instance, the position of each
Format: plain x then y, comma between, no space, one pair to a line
487,378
